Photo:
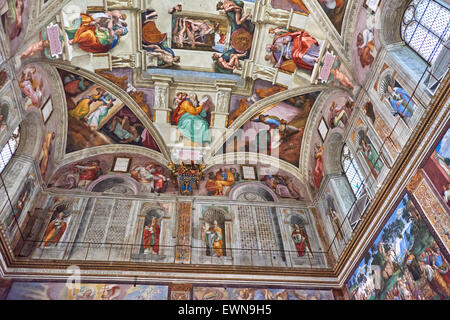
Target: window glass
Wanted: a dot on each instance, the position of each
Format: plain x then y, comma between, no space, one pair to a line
9,149
425,28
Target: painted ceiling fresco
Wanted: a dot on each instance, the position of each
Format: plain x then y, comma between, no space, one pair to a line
189,82
97,118
276,131
206,133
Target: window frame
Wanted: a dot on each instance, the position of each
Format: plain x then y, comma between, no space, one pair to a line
12,144
432,56
353,163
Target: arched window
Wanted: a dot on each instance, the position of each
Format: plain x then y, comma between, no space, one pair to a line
425,27
9,149
351,169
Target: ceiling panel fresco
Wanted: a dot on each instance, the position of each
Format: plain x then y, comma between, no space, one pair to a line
201,72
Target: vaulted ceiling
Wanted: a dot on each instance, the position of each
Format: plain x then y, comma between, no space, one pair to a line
120,74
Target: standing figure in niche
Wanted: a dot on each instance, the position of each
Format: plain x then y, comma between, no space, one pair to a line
301,240
335,222
49,137
371,155
214,238
55,230
18,207
318,169
4,111
151,237
3,78
401,102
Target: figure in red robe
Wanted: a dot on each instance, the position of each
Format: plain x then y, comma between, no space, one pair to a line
318,169
93,38
299,47
301,240
151,237
88,172
55,230
180,97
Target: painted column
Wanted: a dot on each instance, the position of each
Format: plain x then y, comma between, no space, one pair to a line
138,235
220,114
183,249
228,238
161,110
